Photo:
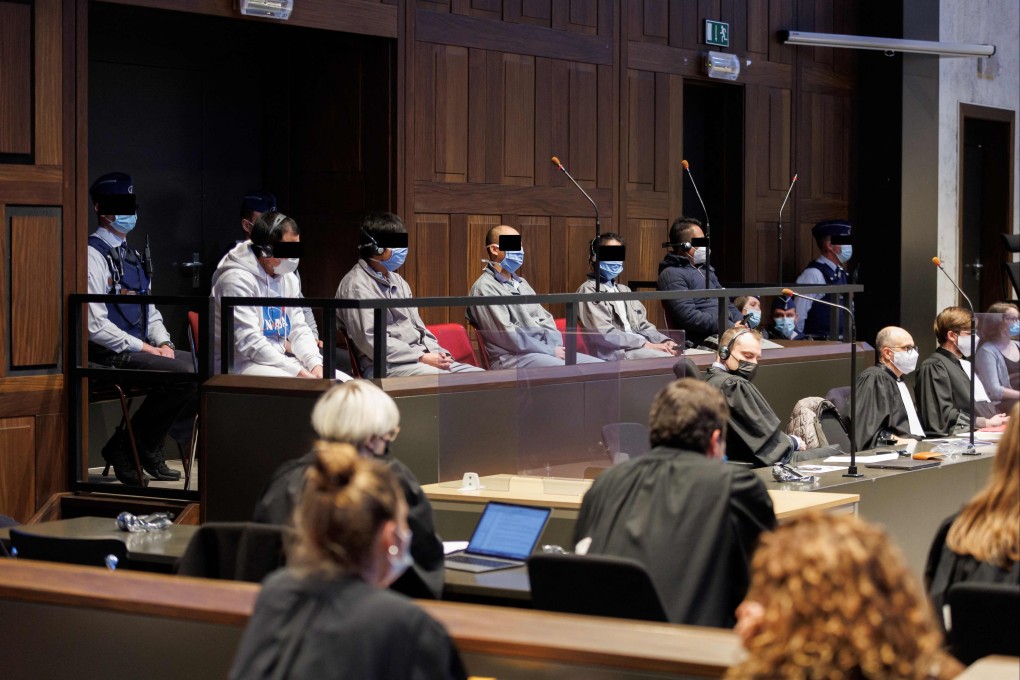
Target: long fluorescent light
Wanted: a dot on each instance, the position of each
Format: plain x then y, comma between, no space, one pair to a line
863,42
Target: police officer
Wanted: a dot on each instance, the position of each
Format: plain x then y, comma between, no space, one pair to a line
829,269
132,336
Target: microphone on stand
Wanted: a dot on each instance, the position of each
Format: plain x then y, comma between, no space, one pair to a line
788,192
971,449
708,227
852,470
598,222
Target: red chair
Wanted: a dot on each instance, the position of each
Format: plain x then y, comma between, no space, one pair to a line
454,338
561,326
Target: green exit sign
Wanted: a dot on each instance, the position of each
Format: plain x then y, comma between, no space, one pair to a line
717,33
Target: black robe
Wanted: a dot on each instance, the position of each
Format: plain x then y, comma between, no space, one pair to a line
691,520
314,627
942,392
946,568
424,578
755,433
879,407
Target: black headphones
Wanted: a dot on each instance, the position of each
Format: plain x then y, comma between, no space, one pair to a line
724,352
370,248
684,246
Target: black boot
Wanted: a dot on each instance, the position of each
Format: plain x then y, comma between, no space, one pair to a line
154,463
116,455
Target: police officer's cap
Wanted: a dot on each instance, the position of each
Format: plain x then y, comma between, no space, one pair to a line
783,302
112,184
258,201
831,228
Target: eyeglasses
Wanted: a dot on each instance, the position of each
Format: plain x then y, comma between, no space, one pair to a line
392,434
905,348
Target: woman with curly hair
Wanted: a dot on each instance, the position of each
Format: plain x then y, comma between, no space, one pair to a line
982,543
831,597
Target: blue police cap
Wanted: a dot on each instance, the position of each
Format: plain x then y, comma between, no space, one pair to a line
783,302
831,228
258,201
112,184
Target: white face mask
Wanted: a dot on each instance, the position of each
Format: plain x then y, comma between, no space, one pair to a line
700,254
287,266
906,361
967,344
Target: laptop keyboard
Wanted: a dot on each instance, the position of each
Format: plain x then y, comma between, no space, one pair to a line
477,561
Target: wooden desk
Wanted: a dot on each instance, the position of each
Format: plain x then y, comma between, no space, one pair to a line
457,511
158,549
66,613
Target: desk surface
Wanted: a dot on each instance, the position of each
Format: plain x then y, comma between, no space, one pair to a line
568,493
158,547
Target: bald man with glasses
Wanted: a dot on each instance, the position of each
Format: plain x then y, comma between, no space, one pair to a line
885,410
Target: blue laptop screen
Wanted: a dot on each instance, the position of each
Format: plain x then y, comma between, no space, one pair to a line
509,531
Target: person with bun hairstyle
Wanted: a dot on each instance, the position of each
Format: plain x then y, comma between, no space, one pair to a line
360,414
832,597
327,614
982,542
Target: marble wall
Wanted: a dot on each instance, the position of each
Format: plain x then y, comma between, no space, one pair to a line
994,22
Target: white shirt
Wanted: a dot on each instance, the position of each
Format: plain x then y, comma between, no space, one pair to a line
979,390
908,405
810,276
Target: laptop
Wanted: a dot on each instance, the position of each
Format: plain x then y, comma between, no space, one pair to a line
505,536
904,464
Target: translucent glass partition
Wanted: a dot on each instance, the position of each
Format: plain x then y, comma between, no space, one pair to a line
995,358
535,414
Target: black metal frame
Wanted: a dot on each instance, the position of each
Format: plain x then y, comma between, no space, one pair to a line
77,374
571,300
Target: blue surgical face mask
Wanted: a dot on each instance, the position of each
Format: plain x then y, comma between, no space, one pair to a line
397,257
124,223
513,260
755,319
844,253
785,325
1014,329
610,270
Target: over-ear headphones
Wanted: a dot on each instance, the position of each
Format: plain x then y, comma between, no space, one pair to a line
370,248
724,352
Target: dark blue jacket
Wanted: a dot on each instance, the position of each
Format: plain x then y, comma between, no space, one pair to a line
698,317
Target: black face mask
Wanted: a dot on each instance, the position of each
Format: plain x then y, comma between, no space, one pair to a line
746,370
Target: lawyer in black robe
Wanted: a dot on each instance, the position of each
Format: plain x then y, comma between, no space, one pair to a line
425,577
755,435
880,407
943,396
691,520
310,626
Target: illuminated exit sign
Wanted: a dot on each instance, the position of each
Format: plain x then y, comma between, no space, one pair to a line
717,33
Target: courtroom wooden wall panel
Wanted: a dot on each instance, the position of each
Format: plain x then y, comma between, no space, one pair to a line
48,83
15,80
50,456
17,467
36,306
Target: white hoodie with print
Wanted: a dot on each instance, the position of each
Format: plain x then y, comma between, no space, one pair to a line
240,275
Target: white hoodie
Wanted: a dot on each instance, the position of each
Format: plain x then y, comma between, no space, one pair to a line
240,275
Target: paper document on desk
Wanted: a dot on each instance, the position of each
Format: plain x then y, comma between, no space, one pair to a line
453,546
876,458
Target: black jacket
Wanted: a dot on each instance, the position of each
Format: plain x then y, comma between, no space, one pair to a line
698,317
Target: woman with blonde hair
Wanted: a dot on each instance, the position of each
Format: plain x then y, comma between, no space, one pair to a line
832,597
982,542
328,613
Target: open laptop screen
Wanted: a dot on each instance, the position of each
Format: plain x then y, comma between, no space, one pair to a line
509,531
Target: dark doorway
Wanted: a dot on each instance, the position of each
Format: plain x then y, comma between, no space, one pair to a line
986,181
201,109
713,145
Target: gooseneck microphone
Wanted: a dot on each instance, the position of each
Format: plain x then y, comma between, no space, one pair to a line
852,470
708,227
780,231
598,222
971,449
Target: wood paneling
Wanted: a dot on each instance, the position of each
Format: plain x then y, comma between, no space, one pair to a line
50,456
48,84
15,78
35,291
430,243
17,467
